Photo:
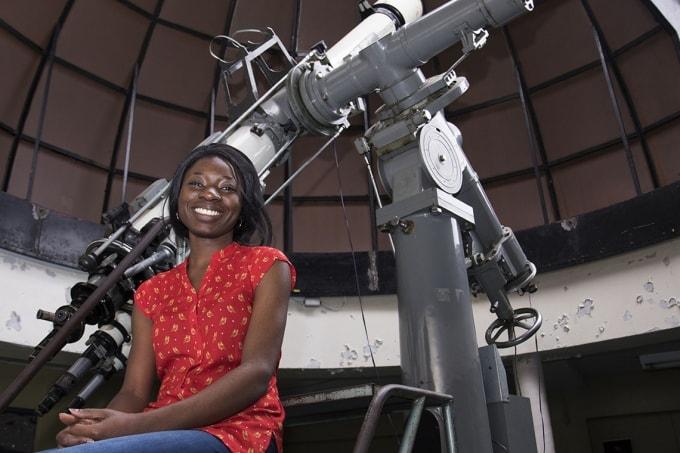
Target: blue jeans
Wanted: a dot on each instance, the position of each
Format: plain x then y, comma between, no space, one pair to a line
179,441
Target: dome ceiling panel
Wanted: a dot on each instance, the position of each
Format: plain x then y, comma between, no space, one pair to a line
561,110
103,38
147,5
275,178
574,115
488,153
320,228
517,202
275,212
327,21
616,22
18,63
279,16
655,89
593,183
220,101
206,16
664,143
34,19
641,166
80,188
89,130
5,145
552,41
134,188
321,175
160,139
490,73
18,183
177,68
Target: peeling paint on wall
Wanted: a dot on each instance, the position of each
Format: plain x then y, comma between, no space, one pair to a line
666,261
15,264
372,349
313,363
673,321
649,287
39,212
585,308
639,299
569,224
348,355
563,323
14,322
668,304
627,316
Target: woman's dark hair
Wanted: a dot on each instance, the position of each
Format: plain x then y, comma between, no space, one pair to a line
254,218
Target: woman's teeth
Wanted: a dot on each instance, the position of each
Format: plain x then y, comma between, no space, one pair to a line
204,211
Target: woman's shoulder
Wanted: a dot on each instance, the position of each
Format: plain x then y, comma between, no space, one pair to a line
259,259
161,279
262,252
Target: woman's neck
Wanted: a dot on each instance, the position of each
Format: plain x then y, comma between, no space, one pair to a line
202,249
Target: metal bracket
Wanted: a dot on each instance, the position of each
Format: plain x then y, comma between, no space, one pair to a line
425,200
250,55
473,39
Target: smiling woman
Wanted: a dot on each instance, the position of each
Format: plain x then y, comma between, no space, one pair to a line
211,328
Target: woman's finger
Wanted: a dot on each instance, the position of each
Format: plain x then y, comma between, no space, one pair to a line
85,430
67,419
96,414
67,439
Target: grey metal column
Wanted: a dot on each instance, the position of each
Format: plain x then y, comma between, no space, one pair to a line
436,325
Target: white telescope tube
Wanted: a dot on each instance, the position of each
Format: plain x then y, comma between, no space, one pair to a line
372,29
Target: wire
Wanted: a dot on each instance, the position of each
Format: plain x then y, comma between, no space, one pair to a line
354,261
356,280
518,388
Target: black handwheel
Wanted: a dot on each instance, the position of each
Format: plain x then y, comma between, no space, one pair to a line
527,319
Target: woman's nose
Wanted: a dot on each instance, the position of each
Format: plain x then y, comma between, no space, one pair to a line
211,193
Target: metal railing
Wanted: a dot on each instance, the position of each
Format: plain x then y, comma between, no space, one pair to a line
421,399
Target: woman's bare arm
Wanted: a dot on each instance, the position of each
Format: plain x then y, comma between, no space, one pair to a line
135,393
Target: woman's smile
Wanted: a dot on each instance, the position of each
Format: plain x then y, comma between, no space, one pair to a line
208,212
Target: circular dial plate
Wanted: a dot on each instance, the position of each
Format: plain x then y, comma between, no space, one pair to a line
441,158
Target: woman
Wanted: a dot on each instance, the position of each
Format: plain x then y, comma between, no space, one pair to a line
211,328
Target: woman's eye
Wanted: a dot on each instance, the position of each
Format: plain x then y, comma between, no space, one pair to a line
228,189
195,184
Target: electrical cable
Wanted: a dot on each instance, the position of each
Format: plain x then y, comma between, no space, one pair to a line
518,388
354,261
356,279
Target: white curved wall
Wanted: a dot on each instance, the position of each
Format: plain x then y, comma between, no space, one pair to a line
630,294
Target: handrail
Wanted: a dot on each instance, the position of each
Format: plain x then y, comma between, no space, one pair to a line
422,398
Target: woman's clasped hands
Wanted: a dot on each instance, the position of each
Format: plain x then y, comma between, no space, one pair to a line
88,425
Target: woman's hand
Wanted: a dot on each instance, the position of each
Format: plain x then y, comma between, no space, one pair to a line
87,425
67,439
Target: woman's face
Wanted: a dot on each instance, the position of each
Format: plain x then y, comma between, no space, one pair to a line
209,203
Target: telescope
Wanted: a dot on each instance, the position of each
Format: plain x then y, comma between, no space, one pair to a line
448,241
